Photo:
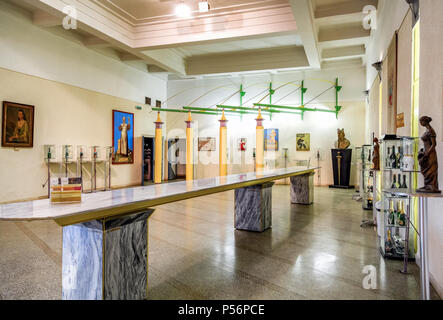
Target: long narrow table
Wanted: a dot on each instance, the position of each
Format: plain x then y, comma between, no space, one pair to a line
105,237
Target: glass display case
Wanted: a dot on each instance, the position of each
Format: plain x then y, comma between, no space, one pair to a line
364,156
396,236
83,154
50,152
397,162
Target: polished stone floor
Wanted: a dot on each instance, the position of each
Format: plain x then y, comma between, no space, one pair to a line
311,252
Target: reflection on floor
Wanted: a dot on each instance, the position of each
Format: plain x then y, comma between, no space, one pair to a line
315,252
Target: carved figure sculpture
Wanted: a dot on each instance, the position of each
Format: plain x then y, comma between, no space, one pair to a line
342,142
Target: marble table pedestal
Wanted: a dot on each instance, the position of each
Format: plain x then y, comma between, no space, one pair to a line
253,207
302,189
106,259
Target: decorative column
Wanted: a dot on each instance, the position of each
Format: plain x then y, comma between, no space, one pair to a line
259,143
223,165
189,148
158,150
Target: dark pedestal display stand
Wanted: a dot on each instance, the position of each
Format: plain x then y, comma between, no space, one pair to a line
341,166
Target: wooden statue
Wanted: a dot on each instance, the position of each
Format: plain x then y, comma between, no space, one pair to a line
342,142
427,158
376,155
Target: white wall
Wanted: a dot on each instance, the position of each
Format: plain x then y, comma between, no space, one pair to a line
74,91
389,18
36,51
431,104
321,126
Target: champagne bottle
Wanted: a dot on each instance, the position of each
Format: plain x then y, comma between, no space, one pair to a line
393,158
388,241
402,215
391,217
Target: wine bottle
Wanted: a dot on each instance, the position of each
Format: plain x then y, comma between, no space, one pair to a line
404,185
391,217
49,153
387,158
394,182
393,158
399,181
402,215
400,157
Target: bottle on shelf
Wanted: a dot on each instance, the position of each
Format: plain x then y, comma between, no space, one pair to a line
394,182
388,244
399,157
387,158
402,214
399,184
393,158
49,153
404,185
391,217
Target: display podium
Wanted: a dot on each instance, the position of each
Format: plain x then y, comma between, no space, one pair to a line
341,166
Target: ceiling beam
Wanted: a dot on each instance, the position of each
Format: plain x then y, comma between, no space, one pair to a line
96,42
208,29
154,69
248,60
343,8
126,56
343,32
302,12
343,52
43,19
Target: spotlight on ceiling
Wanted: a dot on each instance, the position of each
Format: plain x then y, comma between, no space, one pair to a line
203,6
182,10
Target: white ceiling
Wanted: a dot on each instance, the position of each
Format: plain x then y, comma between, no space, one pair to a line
240,45
329,31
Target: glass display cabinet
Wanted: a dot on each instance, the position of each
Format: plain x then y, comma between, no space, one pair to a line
364,156
83,156
397,162
107,174
50,156
68,156
50,152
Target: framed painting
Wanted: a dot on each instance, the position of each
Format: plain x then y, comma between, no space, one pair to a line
122,137
271,140
241,144
303,142
17,125
206,144
392,74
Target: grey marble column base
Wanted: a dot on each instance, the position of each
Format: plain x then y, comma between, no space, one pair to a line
302,189
106,259
253,207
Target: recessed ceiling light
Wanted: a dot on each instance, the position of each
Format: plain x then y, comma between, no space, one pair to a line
182,10
203,6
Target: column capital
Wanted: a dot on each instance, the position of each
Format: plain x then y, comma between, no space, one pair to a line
223,119
259,118
158,122
189,120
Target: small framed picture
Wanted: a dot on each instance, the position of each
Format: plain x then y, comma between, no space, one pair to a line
241,144
206,144
17,125
303,142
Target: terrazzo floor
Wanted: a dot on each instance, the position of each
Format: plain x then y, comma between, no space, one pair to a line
311,252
